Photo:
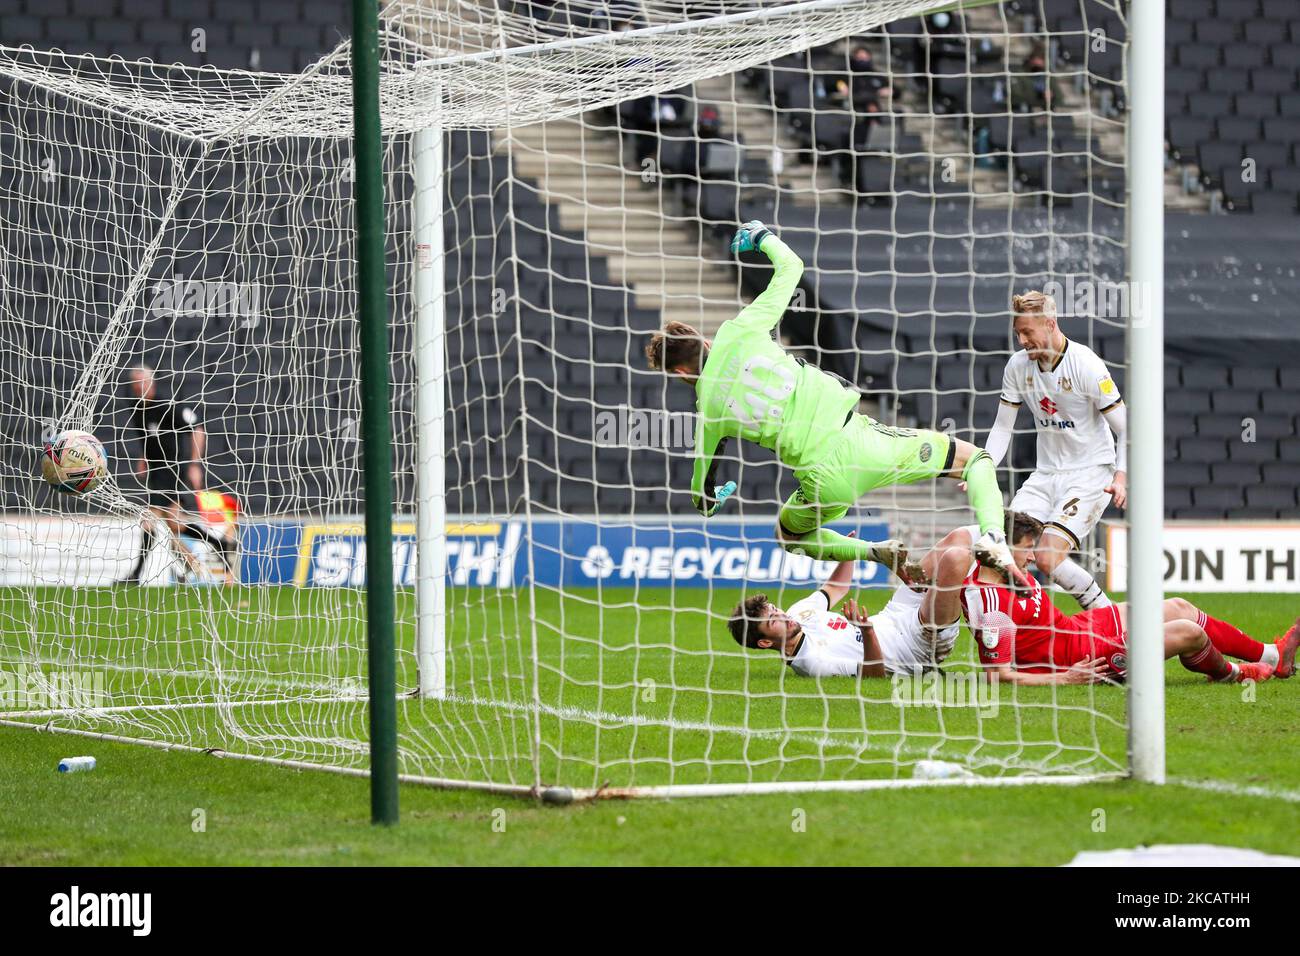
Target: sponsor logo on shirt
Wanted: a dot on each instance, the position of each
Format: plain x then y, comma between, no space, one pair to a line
926,452
1047,405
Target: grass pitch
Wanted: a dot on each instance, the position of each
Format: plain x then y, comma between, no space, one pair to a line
632,695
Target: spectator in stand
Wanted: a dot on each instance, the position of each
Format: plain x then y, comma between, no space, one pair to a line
708,124
864,92
938,39
864,122
1033,89
647,116
864,85
708,130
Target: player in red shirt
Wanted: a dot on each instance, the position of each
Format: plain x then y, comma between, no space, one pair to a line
1024,638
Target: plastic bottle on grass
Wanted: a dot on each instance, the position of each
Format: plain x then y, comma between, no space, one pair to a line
939,770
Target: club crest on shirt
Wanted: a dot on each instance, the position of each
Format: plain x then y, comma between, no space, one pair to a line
926,451
1065,384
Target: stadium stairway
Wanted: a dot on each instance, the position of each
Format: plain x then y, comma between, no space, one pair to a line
742,111
580,169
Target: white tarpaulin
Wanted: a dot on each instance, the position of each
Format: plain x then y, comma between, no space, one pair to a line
1182,854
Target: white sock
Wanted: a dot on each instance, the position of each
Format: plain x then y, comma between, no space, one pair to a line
1270,655
1072,577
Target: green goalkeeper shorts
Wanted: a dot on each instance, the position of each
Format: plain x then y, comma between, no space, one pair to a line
867,455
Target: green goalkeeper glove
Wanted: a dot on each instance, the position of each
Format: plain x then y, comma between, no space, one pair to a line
750,236
720,495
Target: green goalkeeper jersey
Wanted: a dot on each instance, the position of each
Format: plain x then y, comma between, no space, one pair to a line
751,388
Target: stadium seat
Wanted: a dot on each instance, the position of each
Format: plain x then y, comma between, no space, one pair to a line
1275,401
1201,449
1190,474
1279,498
1214,498
1257,452
1204,377
1240,474
1274,425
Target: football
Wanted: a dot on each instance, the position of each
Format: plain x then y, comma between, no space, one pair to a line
74,462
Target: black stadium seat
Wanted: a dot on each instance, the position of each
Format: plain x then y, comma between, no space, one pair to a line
1233,473
1213,498
1258,452
1201,449
1279,498
1204,377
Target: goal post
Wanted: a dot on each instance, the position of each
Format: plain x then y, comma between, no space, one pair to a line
547,188
430,369
1146,352
376,422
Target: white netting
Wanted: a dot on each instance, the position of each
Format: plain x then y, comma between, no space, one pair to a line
200,222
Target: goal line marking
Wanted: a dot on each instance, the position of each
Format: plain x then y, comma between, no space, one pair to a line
826,740
1237,789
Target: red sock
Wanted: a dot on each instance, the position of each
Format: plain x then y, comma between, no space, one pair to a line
1229,640
1207,661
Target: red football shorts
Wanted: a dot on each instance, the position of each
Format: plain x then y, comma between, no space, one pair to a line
1098,633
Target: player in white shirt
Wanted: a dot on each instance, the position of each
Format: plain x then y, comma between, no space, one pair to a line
1081,467
915,630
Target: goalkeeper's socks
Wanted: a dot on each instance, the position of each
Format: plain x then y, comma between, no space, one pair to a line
827,545
982,491
1071,576
1233,642
1211,663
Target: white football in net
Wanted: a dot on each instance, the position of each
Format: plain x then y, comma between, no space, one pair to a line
74,462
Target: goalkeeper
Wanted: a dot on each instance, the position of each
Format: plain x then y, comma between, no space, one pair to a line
748,387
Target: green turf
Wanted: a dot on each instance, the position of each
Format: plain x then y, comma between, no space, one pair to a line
702,712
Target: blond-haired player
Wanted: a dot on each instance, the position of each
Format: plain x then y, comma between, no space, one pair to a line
1081,423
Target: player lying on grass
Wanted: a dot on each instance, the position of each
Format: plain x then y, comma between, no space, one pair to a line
915,630
748,387
1025,639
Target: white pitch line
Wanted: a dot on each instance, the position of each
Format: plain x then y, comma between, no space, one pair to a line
824,741
617,721
827,740
1239,789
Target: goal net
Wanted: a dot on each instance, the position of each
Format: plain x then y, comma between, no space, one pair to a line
561,180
